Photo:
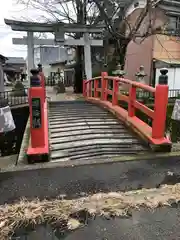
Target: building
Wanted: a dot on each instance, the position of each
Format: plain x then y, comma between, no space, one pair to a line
52,57
158,50
18,64
13,67
2,61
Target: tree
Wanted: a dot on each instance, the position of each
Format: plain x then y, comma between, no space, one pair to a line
68,11
122,29
119,32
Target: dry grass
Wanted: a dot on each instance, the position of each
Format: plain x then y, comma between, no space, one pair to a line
37,212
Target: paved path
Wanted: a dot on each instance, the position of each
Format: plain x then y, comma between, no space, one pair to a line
68,96
160,224
8,161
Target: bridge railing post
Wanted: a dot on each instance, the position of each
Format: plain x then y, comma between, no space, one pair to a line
115,92
132,99
42,79
43,83
104,84
95,88
160,106
160,110
84,88
90,89
36,108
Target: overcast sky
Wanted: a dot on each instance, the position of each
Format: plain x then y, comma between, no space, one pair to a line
10,9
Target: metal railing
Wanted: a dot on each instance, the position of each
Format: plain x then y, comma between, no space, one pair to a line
68,80
50,81
172,94
13,97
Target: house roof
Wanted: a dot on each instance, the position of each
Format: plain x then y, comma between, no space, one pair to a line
6,69
15,60
52,27
169,61
3,58
171,7
57,62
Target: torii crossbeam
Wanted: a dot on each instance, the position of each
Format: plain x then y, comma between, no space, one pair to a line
59,29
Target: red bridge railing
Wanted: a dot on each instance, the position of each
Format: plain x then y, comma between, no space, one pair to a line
97,90
38,149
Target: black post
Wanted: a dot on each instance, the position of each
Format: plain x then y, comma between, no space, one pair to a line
34,79
163,78
40,67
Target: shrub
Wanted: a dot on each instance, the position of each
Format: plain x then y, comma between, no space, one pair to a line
18,89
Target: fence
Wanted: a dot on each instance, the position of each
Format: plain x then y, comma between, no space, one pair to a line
69,75
142,95
13,97
50,81
68,79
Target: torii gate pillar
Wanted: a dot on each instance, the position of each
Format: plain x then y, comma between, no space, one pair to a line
30,52
87,56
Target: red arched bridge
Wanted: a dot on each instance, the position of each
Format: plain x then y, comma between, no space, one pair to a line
104,124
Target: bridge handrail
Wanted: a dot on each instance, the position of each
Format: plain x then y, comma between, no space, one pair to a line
130,82
91,90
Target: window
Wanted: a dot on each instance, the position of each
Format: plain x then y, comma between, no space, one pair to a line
136,4
178,23
174,23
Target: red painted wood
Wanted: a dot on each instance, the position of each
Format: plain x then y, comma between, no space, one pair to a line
154,134
123,97
160,109
115,92
84,88
106,90
39,136
42,79
141,128
90,89
132,99
95,88
130,82
103,86
98,89
109,92
149,112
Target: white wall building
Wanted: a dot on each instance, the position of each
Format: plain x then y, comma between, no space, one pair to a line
48,54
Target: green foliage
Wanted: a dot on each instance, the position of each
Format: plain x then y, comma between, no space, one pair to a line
18,89
96,74
173,127
178,96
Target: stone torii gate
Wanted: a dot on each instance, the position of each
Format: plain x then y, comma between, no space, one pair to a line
59,29
86,42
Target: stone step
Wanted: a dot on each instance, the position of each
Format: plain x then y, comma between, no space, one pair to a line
68,125
77,118
88,137
87,153
86,132
85,127
80,143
